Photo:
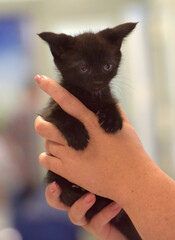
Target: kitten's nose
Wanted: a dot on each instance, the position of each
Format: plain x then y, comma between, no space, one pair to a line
97,82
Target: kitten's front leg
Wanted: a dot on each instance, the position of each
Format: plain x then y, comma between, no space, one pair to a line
110,118
72,129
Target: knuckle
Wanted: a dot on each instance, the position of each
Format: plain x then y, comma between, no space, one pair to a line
38,125
48,199
72,218
43,160
40,158
79,221
75,220
62,100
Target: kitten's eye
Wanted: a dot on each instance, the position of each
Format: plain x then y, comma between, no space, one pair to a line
108,67
84,70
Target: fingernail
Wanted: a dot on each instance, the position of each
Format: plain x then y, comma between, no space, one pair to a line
114,206
89,198
38,78
52,187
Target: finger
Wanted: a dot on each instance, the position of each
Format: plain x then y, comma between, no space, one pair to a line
55,149
80,207
51,163
65,99
57,165
105,216
53,192
48,130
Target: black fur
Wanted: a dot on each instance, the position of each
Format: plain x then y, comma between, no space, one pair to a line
88,62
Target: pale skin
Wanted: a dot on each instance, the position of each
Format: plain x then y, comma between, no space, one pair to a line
99,225
132,179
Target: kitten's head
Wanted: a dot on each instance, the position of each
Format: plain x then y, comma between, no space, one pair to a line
88,60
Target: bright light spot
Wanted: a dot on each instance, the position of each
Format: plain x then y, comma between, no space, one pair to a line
10,234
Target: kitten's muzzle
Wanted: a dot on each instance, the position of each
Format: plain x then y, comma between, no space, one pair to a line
98,85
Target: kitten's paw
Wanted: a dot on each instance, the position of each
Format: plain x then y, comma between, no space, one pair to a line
71,193
110,124
77,136
78,140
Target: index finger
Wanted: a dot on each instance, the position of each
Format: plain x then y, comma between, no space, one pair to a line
65,99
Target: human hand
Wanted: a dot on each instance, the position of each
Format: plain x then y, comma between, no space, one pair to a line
113,157
99,225
113,165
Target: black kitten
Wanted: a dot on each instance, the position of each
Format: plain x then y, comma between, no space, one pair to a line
88,62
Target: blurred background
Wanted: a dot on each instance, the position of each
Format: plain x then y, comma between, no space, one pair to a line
145,87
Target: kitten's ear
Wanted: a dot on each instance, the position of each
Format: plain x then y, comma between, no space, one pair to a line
116,35
58,43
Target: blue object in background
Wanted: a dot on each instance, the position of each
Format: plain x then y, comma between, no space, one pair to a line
10,34
35,220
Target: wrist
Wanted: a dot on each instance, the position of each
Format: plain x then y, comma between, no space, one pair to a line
138,176
149,200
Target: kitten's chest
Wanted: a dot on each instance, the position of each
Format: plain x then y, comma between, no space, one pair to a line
92,101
